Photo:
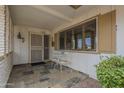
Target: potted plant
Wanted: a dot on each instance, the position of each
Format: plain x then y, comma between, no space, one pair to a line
110,72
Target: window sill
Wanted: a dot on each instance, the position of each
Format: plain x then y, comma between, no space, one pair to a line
7,54
2,58
79,51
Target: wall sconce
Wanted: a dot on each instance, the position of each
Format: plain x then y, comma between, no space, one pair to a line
52,42
20,37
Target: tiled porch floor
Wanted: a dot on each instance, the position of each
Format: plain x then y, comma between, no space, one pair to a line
45,76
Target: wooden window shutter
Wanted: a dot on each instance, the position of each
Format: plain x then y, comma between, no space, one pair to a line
107,33
56,41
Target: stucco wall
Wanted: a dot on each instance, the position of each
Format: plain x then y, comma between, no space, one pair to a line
120,30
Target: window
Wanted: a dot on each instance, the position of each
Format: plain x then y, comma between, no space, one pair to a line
1,41
10,35
62,40
78,37
56,41
90,35
69,39
81,37
6,31
85,37
7,34
2,30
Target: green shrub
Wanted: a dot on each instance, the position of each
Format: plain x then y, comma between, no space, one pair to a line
110,72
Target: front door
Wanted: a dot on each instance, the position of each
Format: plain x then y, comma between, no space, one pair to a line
46,47
36,48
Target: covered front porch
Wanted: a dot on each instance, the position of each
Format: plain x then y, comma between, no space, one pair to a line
57,46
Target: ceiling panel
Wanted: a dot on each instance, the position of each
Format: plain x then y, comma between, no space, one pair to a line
26,15
64,9
46,17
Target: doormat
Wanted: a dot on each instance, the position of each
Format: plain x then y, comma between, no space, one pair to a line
39,63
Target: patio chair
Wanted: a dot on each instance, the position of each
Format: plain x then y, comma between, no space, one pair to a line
63,60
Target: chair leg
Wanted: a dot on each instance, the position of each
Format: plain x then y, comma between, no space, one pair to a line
60,67
71,70
54,66
51,65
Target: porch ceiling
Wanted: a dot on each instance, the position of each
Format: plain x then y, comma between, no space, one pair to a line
46,16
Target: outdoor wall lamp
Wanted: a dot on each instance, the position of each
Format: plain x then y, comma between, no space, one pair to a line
20,37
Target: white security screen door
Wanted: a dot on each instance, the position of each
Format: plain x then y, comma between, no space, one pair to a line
36,48
46,47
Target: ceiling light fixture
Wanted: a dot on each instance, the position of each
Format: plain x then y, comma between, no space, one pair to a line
75,6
